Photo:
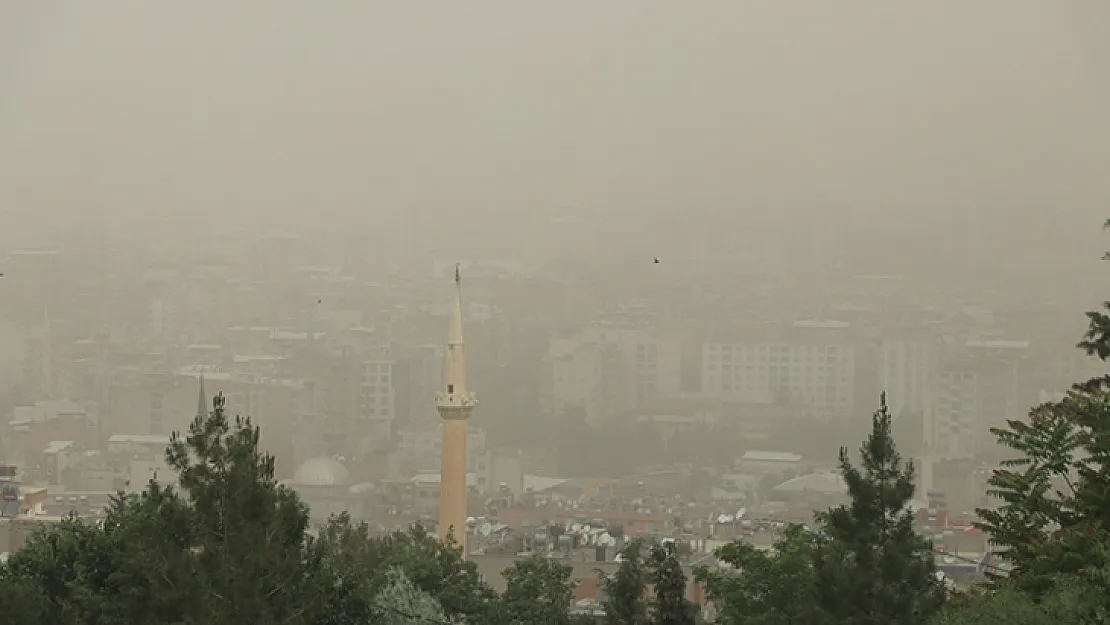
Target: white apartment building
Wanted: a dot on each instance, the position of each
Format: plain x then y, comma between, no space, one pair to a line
812,364
977,389
606,370
953,425
907,372
377,398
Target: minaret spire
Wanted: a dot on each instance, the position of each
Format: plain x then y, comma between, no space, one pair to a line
454,366
202,401
454,402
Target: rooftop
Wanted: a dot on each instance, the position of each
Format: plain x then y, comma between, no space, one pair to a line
140,439
54,447
770,456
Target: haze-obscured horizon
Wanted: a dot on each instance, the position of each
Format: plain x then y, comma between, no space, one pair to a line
695,245
486,118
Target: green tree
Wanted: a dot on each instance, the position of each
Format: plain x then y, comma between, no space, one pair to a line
1067,600
400,602
1054,517
538,590
23,601
870,565
776,587
352,567
668,581
624,603
246,530
229,546
50,576
1054,513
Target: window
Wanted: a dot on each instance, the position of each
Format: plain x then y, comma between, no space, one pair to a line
450,389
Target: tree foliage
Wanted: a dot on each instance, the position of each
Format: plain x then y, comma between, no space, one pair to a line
863,565
670,605
245,530
355,566
1066,600
624,590
400,602
1054,517
776,587
231,534
229,546
539,590
870,564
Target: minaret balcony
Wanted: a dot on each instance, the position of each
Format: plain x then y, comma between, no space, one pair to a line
456,400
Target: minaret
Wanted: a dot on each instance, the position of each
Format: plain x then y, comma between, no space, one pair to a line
454,404
202,401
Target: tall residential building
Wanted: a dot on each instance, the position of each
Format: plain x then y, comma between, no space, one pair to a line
951,430
907,373
377,397
455,404
605,371
812,364
978,387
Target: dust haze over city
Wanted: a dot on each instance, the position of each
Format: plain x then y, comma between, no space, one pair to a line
269,200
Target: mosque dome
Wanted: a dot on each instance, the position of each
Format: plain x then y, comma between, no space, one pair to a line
322,472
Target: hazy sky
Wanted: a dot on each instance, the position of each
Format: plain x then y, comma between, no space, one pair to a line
298,113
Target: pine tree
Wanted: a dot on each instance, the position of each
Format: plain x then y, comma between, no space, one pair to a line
625,603
668,581
248,531
871,567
